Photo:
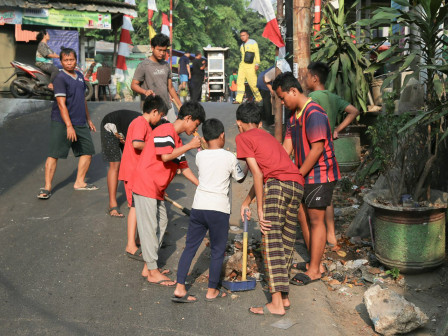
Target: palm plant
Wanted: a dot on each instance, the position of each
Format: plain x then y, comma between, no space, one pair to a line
334,44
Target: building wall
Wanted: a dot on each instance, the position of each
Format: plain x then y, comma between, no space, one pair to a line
8,52
11,50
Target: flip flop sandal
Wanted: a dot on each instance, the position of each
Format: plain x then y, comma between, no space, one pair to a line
183,299
87,187
219,296
302,279
160,283
137,255
266,312
300,266
44,193
117,209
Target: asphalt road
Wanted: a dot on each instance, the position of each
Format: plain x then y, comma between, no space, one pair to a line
63,270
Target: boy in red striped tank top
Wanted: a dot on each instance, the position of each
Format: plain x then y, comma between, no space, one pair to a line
308,133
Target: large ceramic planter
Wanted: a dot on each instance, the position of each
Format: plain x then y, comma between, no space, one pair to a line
347,149
410,239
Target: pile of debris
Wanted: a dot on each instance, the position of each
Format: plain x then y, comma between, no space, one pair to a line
233,261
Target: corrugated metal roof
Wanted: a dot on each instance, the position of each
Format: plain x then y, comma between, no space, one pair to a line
103,6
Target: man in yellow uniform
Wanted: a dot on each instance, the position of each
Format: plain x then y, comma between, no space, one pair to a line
250,58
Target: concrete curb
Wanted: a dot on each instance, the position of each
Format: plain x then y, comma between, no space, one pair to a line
14,107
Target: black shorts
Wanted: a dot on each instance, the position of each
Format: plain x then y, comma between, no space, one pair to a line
318,195
111,147
60,145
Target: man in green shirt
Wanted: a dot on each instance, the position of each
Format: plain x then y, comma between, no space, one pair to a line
334,106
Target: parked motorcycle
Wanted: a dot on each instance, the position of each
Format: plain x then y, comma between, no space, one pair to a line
32,81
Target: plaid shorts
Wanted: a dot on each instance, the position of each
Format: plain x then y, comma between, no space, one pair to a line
281,207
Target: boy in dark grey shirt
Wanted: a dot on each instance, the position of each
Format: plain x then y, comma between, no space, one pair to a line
153,76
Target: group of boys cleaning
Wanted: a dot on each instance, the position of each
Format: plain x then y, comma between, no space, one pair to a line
151,158
279,185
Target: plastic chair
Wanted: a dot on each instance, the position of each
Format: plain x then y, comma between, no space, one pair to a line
104,77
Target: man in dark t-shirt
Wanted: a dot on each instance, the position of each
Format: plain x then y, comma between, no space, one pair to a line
197,77
70,125
184,71
114,128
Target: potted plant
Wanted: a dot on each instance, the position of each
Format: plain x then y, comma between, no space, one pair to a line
335,45
409,216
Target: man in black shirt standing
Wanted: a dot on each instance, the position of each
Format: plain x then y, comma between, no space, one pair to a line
197,77
184,71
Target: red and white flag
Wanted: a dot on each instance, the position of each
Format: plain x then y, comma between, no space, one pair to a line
152,7
125,42
165,25
271,31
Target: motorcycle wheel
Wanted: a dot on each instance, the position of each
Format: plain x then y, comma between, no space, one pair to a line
89,91
18,92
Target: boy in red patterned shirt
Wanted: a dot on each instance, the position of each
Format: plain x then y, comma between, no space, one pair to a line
163,154
308,133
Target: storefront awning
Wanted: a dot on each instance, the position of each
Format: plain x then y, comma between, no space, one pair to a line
99,6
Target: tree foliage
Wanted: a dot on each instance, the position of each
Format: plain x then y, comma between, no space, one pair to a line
199,23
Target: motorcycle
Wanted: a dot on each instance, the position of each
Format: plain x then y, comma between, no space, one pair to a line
32,81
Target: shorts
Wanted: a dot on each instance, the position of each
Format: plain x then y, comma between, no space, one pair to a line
111,147
60,145
129,195
318,195
183,78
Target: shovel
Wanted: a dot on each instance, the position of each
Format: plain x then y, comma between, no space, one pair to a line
177,205
246,283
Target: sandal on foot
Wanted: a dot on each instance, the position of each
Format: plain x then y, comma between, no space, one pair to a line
300,266
137,255
219,296
117,209
266,311
302,279
184,299
160,283
44,193
87,187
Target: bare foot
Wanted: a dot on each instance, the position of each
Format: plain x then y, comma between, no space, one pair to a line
321,267
314,276
286,302
145,271
270,307
132,249
179,293
155,276
212,293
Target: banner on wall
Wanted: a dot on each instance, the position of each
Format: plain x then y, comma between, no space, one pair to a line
10,17
69,18
66,38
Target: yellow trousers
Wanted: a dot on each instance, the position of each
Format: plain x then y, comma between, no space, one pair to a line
247,72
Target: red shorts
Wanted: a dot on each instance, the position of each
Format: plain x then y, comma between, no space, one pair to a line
128,190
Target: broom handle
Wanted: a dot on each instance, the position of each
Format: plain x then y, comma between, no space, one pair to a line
244,273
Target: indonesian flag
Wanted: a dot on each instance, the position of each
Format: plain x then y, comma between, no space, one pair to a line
151,9
271,31
125,42
165,25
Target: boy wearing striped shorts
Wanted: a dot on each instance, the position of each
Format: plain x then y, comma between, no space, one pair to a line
278,182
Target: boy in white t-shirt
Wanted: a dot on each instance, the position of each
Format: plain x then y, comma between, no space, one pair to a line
210,210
